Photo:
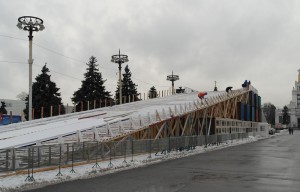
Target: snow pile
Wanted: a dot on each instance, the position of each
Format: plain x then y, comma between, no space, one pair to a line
17,182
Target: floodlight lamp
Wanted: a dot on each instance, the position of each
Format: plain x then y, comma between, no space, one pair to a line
42,27
19,25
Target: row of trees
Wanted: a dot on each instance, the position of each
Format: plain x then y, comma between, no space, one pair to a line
47,100
269,111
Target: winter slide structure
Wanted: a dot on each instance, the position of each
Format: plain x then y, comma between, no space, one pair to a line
219,114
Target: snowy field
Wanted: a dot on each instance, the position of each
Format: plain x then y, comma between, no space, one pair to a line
16,182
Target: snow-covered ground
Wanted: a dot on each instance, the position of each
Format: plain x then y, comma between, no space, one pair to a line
16,182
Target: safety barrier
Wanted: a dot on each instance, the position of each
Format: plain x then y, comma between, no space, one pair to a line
68,154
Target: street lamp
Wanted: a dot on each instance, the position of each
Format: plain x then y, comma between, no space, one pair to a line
172,78
119,59
31,24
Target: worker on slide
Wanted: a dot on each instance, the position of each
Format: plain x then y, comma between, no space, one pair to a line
201,96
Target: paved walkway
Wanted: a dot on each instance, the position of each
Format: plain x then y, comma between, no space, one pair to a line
267,165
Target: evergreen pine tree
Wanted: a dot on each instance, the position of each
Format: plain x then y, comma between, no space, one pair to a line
45,94
129,91
2,108
92,88
269,112
285,116
152,93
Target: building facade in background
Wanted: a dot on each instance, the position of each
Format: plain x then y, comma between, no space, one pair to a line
294,107
16,107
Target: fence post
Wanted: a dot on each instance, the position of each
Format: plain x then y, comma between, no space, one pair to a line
67,152
59,163
125,143
42,112
7,159
110,163
88,152
131,149
28,165
39,156
96,164
72,170
32,161
13,159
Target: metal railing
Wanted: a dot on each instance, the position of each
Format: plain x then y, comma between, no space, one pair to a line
46,156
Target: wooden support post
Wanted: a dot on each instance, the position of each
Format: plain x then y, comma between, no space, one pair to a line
59,109
81,106
157,116
42,112
149,118
32,113
105,102
10,117
94,104
88,105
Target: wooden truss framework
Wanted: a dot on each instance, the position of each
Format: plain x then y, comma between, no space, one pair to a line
191,122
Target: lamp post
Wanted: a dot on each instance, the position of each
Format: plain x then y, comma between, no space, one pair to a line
172,78
119,59
31,24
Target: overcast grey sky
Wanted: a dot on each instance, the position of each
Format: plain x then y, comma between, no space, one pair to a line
202,41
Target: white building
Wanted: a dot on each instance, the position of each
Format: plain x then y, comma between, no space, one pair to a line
14,106
294,107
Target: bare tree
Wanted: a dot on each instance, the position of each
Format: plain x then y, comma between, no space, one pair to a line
22,96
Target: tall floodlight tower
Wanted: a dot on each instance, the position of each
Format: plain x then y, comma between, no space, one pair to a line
31,24
119,59
172,78
215,89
